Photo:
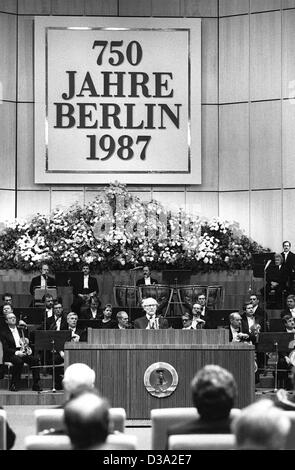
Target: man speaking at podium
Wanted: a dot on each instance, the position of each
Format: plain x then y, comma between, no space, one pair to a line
150,321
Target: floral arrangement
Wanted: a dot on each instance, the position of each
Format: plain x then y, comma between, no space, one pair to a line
119,231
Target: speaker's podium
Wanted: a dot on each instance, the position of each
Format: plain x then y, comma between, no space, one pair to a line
144,369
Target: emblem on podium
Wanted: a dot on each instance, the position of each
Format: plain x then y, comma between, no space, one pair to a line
160,379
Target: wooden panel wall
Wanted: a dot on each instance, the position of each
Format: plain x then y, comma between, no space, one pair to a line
248,70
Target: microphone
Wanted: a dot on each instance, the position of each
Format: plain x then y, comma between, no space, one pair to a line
267,264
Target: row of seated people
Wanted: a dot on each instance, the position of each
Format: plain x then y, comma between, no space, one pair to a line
84,420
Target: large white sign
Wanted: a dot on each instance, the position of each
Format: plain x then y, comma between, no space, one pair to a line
117,99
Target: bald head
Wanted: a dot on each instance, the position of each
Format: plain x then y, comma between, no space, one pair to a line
78,377
87,420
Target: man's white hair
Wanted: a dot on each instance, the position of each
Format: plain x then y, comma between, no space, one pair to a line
78,376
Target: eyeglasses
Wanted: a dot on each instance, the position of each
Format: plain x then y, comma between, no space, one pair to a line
150,305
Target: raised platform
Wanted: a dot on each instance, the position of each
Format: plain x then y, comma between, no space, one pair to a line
27,397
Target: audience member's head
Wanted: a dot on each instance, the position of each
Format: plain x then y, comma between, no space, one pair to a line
94,302
261,426
57,309
202,300
278,259
7,298
235,320
44,269
286,246
122,319
291,301
186,319
86,269
107,311
146,271
78,377
197,310
254,300
289,322
214,390
87,420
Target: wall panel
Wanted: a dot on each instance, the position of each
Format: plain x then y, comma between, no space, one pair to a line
233,59
64,199
7,205
234,147
7,145
265,56
266,218
199,8
25,146
171,199
34,7
264,5
288,209
135,7
25,58
288,143
101,7
67,7
7,56
233,7
265,151
8,6
234,206
209,61
288,3
204,204
288,59
209,149
29,203
166,8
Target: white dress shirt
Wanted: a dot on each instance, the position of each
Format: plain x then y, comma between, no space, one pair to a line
153,323
58,322
16,337
85,282
147,281
235,333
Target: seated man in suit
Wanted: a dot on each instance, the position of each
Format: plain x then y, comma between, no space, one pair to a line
284,362
43,280
16,350
187,319
214,391
92,312
198,321
83,292
150,321
77,334
290,308
146,280
235,328
123,321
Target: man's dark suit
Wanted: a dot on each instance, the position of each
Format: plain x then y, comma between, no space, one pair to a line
80,332
289,262
51,323
141,281
9,349
92,286
36,282
142,323
87,315
280,275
